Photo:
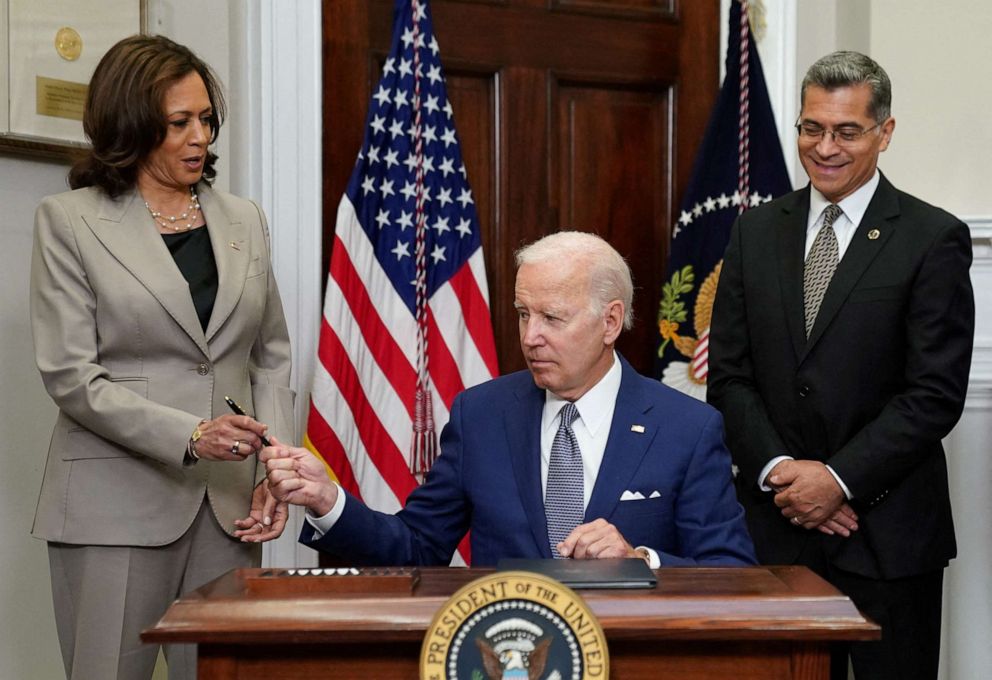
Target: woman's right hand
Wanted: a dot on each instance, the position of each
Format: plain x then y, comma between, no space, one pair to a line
229,437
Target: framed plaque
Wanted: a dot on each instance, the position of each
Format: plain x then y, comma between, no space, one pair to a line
48,51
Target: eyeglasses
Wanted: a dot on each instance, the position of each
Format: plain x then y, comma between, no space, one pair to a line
849,134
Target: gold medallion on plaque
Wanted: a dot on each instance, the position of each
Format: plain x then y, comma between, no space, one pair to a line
68,43
514,624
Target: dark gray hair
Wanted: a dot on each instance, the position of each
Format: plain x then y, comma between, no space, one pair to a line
609,274
844,69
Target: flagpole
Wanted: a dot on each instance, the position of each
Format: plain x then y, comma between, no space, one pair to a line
744,123
424,445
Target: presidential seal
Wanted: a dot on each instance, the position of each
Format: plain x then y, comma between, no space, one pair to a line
514,624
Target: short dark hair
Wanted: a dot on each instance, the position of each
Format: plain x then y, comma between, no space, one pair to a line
123,118
846,69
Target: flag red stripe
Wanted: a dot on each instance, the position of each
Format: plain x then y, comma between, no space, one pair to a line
327,444
381,448
465,548
443,367
378,338
476,312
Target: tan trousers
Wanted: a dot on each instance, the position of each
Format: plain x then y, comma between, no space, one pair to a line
106,595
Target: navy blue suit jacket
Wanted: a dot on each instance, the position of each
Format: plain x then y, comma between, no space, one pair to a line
488,480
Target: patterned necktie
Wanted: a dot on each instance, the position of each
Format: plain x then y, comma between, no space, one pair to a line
820,265
563,500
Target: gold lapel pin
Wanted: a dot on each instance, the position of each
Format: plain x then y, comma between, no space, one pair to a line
235,245
874,234
639,429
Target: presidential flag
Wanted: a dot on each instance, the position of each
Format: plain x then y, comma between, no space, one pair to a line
406,322
739,166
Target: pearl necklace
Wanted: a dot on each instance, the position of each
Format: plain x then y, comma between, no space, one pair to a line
170,222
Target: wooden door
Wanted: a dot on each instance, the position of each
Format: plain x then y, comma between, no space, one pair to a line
582,114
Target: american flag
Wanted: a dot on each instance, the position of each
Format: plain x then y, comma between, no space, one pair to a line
375,350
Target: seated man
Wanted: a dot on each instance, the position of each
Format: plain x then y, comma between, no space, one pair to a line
577,457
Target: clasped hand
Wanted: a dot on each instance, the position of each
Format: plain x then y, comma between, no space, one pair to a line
810,497
266,519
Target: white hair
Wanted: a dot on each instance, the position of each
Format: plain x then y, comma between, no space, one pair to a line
609,274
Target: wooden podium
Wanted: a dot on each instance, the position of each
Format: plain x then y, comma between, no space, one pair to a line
759,622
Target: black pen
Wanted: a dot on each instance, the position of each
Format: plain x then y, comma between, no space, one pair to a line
241,412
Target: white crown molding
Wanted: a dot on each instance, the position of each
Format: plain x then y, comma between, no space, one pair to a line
980,380
981,246
981,233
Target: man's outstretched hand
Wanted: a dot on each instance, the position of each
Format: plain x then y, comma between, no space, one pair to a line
296,476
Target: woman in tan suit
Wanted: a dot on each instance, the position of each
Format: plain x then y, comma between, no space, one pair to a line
152,297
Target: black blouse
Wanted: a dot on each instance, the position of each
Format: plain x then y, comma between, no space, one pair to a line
195,258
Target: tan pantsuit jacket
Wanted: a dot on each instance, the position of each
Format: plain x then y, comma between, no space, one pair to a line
123,355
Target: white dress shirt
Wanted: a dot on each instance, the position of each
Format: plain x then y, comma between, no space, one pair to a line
853,209
591,428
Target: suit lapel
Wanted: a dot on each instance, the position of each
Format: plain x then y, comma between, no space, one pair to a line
792,243
860,253
624,448
127,231
522,423
231,253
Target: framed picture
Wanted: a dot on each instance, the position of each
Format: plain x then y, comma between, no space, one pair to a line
48,51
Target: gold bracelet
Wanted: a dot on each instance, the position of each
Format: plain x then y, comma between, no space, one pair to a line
195,437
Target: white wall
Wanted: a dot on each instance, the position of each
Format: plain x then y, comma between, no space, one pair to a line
28,646
939,58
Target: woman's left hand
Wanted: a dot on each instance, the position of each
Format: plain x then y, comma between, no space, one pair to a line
266,519
229,437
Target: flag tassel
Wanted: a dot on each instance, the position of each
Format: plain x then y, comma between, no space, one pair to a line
424,438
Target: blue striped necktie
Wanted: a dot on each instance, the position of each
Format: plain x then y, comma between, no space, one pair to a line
564,498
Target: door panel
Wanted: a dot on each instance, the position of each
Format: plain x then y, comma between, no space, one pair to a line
614,148
571,114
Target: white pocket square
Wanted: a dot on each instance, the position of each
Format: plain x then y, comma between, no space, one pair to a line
655,494
632,496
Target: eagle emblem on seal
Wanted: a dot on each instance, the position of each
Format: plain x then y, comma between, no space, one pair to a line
514,649
687,376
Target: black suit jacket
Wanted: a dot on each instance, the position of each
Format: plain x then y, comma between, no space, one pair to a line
881,380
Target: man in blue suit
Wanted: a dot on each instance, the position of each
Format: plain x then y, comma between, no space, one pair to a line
641,471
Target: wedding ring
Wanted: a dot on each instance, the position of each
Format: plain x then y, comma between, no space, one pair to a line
795,520
236,448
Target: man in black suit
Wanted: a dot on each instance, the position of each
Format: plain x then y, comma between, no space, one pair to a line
840,347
